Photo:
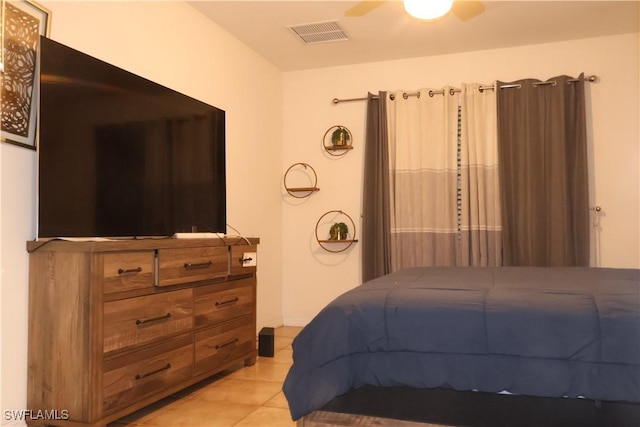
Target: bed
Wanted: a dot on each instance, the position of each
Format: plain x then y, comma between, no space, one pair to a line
566,332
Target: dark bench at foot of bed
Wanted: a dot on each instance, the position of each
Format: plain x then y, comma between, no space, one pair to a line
475,409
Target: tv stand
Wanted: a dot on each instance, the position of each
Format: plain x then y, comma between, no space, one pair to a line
117,325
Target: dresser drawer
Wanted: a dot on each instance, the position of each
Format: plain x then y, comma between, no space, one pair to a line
125,271
136,321
129,378
220,302
239,261
185,265
220,344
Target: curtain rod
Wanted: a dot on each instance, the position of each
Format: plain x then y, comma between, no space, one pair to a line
453,90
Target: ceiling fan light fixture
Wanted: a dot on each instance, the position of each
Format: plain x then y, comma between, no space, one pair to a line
427,9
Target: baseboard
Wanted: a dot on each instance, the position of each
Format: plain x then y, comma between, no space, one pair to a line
295,322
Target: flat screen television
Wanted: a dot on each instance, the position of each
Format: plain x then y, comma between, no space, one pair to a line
121,156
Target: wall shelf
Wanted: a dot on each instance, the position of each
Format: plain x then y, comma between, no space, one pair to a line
337,140
332,148
301,192
337,244
303,189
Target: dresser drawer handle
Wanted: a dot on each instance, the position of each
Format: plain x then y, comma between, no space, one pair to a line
131,270
153,319
232,342
189,266
157,371
227,302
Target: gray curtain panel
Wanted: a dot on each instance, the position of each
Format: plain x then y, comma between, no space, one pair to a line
542,153
376,247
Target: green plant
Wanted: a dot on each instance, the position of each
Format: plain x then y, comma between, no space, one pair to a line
338,231
340,136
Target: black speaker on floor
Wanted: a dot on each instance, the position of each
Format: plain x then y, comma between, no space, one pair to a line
266,339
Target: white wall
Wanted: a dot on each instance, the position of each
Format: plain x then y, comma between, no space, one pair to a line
313,277
17,225
181,49
1,275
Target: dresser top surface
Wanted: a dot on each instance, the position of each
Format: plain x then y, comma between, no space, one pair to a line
109,245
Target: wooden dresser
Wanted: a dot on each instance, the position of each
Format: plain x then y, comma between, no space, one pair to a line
117,325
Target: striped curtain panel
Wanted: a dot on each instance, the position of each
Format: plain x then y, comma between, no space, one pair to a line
423,179
443,178
479,187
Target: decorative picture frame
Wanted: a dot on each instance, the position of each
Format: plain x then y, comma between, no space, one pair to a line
22,24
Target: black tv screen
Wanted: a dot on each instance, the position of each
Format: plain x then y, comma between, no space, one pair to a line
122,156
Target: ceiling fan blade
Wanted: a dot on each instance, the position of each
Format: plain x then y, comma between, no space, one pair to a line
362,8
465,10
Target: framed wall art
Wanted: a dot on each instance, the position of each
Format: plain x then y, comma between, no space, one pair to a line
22,24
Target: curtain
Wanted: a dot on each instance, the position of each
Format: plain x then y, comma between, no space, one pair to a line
543,169
423,182
376,248
480,222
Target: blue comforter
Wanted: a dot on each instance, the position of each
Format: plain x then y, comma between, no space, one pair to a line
551,332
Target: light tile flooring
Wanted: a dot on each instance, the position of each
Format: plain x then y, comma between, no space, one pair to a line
244,397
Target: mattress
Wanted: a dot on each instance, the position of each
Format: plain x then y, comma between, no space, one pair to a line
549,332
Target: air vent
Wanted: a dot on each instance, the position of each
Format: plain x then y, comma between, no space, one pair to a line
319,32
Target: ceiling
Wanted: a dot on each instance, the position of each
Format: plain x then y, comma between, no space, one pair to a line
388,33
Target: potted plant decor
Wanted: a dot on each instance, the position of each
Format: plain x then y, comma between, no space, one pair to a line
340,137
338,231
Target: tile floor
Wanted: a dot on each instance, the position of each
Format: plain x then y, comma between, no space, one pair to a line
245,397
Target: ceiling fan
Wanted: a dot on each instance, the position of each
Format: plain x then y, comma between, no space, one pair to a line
464,10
